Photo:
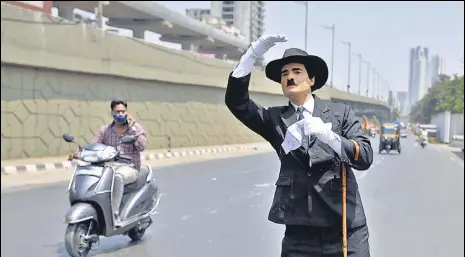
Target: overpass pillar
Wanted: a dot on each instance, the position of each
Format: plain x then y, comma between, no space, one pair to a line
66,12
138,33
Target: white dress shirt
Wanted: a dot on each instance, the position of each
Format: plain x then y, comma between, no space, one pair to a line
335,141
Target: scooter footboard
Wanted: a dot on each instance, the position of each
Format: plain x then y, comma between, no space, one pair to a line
81,212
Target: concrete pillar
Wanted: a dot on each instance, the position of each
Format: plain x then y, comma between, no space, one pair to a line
66,13
138,33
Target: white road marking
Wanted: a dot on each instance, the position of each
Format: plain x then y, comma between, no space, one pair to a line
262,185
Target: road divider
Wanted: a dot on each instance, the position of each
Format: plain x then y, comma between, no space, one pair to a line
25,166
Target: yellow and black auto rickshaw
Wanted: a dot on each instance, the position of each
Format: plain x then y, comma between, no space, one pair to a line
389,138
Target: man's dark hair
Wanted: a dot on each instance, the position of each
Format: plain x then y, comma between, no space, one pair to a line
118,102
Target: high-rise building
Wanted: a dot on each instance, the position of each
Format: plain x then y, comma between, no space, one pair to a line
419,77
402,98
247,16
436,69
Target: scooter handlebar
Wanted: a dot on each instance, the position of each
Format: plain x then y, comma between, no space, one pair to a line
124,157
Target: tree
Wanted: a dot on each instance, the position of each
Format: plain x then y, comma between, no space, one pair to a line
445,95
450,96
395,113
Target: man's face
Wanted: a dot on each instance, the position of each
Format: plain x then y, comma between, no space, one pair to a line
118,109
295,80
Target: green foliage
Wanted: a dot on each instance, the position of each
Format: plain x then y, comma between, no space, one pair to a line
445,95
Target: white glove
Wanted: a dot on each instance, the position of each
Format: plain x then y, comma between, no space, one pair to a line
322,131
264,43
315,126
255,51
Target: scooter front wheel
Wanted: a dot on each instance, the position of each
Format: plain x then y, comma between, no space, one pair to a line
75,239
136,233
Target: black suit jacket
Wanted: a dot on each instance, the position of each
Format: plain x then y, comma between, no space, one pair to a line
308,195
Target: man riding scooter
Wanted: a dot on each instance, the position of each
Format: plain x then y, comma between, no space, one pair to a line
423,138
126,170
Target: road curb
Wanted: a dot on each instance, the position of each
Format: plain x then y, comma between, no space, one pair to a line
38,167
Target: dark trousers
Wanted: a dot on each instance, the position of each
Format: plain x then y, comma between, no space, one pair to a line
305,241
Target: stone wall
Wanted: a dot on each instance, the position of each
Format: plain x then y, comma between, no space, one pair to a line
38,106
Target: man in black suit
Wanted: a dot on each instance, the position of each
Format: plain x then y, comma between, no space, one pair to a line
314,139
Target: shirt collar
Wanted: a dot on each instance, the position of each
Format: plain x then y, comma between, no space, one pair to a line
308,105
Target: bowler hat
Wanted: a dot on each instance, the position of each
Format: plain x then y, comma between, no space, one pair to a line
313,64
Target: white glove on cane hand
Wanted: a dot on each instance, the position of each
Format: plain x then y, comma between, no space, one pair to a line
255,51
315,126
322,131
264,43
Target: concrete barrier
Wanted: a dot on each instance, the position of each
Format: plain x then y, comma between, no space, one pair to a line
59,77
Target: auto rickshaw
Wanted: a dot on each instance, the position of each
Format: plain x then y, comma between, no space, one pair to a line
389,138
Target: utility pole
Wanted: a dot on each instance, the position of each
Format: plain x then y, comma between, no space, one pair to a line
368,76
359,73
332,28
349,44
306,25
306,21
374,83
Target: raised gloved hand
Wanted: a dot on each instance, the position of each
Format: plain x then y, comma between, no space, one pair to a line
315,126
255,51
264,43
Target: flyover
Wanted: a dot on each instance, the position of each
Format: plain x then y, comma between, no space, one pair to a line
173,27
58,77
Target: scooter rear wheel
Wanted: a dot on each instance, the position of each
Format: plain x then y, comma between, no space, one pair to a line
75,244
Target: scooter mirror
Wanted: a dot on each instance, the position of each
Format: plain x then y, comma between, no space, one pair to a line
128,139
68,138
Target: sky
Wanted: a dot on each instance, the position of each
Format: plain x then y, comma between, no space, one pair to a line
383,32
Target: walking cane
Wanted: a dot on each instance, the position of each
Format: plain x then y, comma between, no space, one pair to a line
344,199
344,211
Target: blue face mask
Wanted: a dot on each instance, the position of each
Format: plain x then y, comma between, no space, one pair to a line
120,119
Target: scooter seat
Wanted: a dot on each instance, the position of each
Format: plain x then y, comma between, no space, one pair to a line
140,182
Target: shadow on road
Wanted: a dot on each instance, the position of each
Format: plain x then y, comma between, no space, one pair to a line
109,246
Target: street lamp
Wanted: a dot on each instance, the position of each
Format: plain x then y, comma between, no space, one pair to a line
368,76
374,83
332,28
380,78
359,73
349,44
306,20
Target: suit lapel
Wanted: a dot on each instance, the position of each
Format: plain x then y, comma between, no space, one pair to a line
321,109
289,115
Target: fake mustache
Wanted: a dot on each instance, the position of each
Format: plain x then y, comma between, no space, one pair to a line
291,82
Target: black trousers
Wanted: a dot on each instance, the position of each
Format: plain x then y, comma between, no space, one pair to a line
305,241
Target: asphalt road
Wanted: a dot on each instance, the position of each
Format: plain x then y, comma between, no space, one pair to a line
414,203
